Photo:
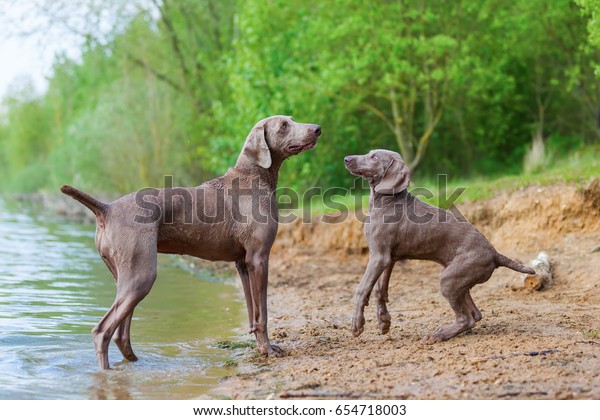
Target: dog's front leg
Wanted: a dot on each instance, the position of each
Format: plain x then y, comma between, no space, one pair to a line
384,318
377,263
258,270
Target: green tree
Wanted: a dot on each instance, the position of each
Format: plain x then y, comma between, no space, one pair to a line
591,8
397,60
25,138
174,86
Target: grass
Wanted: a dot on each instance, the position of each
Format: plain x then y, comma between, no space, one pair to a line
230,363
592,334
234,345
578,167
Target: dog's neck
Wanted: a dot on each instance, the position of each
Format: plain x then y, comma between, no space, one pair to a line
269,175
379,201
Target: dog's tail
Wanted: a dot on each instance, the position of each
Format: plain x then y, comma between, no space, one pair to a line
98,207
503,261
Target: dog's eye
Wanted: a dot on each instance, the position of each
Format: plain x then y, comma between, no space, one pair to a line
375,157
283,125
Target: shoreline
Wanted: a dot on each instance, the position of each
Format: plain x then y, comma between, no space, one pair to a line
540,345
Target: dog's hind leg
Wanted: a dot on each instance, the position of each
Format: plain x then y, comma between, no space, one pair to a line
102,333
464,319
455,283
135,265
122,338
475,312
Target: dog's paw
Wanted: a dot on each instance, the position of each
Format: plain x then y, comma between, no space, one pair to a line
384,327
433,338
384,320
358,325
428,339
271,351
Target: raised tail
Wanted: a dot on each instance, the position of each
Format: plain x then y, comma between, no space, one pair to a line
98,207
503,261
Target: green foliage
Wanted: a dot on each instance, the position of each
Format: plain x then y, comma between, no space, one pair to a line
26,123
234,345
592,9
579,167
457,87
593,334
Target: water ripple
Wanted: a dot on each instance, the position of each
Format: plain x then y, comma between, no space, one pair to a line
54,289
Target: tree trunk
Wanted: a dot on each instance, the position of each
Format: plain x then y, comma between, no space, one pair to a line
403,137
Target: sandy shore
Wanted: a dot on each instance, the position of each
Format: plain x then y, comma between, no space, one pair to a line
530,344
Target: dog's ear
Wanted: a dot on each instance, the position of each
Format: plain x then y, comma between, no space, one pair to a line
256,148
395,179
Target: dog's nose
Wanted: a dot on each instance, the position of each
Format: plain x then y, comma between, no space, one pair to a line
318,130
348,159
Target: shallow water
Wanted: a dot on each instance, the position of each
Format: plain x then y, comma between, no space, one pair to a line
54,288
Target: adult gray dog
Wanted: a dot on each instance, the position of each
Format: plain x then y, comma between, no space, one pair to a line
230,218
402,227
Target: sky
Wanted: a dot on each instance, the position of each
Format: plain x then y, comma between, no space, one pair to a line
21,58
33,32
28,56
51,27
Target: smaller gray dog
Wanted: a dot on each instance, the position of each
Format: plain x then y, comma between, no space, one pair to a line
403,227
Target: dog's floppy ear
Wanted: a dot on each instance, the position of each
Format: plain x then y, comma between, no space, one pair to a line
256,148
395,179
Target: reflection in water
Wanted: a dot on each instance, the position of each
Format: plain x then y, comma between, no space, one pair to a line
107,386
54,288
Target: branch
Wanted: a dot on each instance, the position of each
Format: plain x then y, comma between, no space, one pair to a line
173,37
191,27
215,17
431,103
424,139
380,114
156,73
502,357
398,121
317,394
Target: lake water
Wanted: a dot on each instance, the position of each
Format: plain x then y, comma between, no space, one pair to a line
54,288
